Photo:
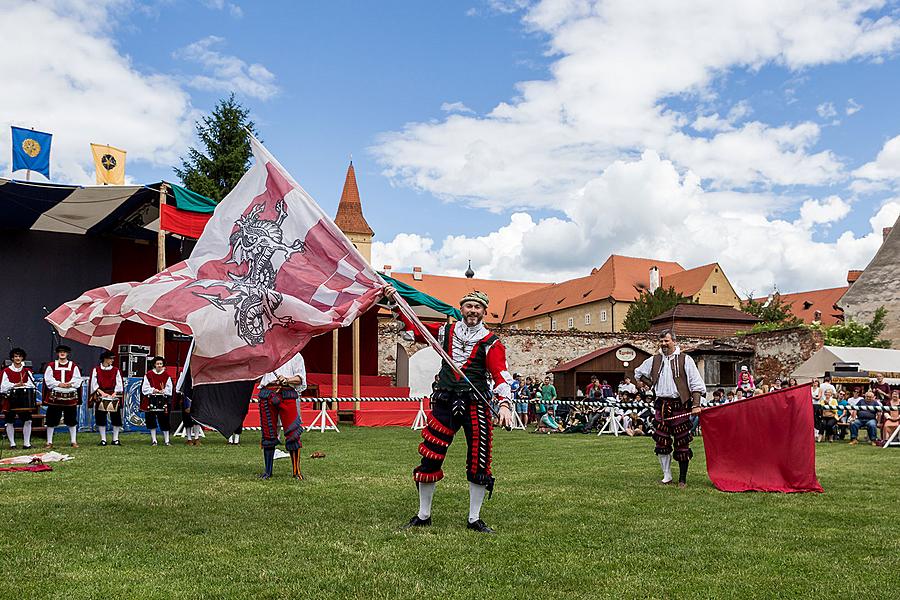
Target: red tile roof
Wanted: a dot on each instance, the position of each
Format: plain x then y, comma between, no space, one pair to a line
451,289
689,282
349,216
705,312
620,277
805,304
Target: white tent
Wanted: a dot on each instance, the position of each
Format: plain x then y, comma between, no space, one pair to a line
874,360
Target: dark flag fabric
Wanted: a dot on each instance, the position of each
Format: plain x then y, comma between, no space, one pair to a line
222,406
764,443
31,150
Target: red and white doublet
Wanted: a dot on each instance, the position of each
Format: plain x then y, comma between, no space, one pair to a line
154,380
108,379
12,377
57,373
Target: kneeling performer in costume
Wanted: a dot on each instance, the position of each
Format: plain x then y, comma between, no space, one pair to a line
479,354
678,386
279,396
62,383
106,394
156,399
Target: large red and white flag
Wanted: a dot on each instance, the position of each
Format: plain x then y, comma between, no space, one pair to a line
270,271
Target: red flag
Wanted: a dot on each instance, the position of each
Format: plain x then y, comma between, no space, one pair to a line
763,444
182,222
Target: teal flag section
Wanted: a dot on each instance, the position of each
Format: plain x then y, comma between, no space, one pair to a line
415,297
185,199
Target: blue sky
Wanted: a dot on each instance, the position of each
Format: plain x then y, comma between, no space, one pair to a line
534,137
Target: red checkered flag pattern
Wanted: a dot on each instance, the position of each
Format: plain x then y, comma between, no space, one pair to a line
270,271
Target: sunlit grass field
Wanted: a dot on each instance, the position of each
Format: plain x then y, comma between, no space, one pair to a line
578,516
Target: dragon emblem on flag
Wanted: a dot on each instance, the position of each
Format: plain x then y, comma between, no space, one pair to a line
254,299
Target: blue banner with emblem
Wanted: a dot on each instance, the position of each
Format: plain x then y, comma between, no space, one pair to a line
31,150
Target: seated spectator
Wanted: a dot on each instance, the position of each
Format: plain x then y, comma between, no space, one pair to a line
576,422
548,424
717,397
855,397
593,389
892,417
779,384
633,424
865,416
729,396
765,389
828,418
843,415
628,389
792,382
594,420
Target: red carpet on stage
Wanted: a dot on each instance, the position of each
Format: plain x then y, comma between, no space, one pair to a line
764,443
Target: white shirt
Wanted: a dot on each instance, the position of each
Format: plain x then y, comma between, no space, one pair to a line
6,384
120,386
53,383
147,389
292,368
628,388
665,386
828,386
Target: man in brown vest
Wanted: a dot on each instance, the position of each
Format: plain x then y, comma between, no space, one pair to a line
678,387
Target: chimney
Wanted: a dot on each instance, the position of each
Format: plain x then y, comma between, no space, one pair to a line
654,279
885,233
417,273
387,270
853,275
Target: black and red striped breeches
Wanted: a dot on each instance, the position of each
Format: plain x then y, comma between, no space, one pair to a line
449,412
275,404
672,424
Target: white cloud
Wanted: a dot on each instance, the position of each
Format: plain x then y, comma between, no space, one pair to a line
233,9
886,165
76,85
826,110
853,107
227,72
457,107
568,143
645,207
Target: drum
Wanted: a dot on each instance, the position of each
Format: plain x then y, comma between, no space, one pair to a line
107,404
22,399
65,397
157,403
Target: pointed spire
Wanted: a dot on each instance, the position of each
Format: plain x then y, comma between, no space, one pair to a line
349,216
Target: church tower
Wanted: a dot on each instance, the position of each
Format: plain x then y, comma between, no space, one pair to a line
350,217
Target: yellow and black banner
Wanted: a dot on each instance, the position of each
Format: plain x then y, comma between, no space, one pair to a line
109,163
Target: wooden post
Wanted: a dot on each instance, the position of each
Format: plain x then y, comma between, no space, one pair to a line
356,362
161,266
334,364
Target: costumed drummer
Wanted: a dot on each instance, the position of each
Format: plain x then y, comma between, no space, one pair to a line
156,399
106,393
678,387
62,384
279,397
17,381
480,355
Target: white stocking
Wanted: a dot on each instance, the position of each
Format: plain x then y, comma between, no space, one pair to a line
73,433
102,429
476,498
665,461
166,436
11,434
153,435
26,433
426,495
50,431
116,431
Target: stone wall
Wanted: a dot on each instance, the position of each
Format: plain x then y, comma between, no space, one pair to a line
530,352
776,353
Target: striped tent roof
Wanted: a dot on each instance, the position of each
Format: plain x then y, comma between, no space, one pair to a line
86,210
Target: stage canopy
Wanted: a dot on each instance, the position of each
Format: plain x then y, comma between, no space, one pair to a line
874,360
86,210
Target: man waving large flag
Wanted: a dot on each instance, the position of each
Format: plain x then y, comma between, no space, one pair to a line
270,271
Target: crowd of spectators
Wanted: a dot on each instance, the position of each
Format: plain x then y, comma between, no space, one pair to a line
839,412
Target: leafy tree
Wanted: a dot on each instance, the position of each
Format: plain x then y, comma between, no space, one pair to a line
649,305
774,313
860,335
214,171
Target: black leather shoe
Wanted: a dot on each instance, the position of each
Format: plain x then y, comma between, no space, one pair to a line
417,522
102,442
116,443
479,526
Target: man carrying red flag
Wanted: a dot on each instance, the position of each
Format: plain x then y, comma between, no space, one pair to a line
678,387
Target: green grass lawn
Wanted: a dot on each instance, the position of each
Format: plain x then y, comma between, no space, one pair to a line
577,516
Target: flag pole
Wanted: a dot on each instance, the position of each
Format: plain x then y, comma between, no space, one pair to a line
161,266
